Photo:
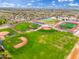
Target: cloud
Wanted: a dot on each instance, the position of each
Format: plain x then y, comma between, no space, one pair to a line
53,3
74,4
29,4
5,4
65,0
33,0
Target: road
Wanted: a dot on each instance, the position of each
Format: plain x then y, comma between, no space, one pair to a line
5,26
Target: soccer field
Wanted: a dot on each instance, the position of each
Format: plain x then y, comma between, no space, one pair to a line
68,25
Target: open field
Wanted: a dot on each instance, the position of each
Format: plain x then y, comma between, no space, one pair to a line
25,26
68,25
49,21
42,44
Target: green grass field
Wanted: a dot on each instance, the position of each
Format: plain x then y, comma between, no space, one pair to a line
49,21
68,25
25,26
42,44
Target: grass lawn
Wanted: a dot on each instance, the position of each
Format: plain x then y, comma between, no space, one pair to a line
42,44
68,25
11,32
26,26
49,21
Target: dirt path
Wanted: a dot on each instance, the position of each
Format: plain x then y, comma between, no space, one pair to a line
5,26
75,52
3,34
24,41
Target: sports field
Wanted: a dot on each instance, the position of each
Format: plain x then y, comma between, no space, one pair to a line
49,21
68,25
25,26
42,44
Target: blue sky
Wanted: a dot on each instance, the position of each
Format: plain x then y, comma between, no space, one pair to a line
40,3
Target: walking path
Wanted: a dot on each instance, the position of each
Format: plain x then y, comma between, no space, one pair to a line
54,27
5,26
77,33
34,29
75,52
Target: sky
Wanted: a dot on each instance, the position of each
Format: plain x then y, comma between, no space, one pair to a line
40,3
